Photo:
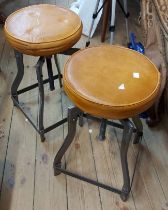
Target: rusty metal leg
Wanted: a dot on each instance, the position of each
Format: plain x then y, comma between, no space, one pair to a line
58,70
41,96
19,76
50,72
127,133
73,114
139,127
81,119
102,132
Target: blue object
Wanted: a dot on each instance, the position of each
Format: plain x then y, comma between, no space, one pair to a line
137,46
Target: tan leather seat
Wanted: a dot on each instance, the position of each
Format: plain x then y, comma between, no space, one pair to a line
111,81
42,30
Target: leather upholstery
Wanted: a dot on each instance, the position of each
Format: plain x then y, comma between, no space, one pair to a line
103,81
43,30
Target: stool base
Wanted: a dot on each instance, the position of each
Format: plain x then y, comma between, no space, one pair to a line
128,128
20,73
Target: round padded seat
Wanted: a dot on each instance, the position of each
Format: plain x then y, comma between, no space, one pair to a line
111,82
43,30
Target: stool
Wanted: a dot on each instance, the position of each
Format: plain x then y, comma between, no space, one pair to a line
41,30
109,82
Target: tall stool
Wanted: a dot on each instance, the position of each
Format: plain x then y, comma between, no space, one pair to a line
109,82
41,30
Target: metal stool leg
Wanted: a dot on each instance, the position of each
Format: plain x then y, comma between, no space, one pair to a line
19,76
73,114
41,96
139,127
50,73
58,70
112,23
102,132
127,133
81,119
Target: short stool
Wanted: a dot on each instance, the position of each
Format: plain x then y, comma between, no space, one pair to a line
113,83
41,30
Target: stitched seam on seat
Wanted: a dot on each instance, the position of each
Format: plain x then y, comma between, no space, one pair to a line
115,106
39,43
133,104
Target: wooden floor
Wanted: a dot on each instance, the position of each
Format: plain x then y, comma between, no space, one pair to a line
26,174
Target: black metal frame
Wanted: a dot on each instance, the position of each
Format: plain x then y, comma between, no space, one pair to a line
40,84
128,128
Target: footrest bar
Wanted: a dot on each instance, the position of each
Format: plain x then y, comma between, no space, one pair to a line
35,85
91,181
70,51
114,124
91,117
33,124
55,125
22,110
